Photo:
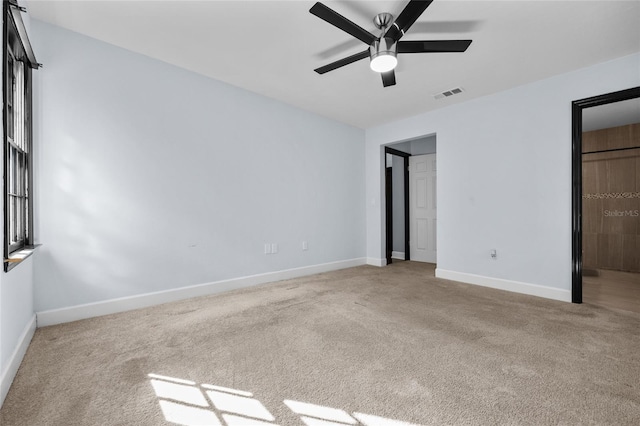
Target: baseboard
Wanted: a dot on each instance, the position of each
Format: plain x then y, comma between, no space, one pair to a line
113,306
397,255
14,362
376,262
508,285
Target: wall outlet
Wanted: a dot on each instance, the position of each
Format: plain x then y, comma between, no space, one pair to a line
305,246
494,254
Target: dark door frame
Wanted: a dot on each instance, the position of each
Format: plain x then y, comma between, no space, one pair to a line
576,175
389,207
388,194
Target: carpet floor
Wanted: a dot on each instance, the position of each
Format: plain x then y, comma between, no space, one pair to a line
362,346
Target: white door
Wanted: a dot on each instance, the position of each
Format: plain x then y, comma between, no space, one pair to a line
422,212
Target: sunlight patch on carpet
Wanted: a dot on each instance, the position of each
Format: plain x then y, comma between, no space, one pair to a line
248,407
369,420
227,390
312,421
181,401
320,412
188,416
181,393
184,402
172,379
232,420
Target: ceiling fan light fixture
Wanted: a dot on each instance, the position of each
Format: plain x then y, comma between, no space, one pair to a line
383,54
383,63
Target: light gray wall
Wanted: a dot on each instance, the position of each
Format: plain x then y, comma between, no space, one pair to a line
504,176
402,146
16,309
423,146
16,298
153,178
418,146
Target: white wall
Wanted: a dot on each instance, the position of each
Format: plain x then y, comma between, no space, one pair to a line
17,319
504,180
153,178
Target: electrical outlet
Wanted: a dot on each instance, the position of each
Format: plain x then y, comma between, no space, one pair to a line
494,254
305,246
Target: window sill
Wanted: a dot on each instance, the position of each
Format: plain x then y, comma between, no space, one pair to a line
18,256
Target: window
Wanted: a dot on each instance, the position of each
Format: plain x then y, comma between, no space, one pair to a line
18,60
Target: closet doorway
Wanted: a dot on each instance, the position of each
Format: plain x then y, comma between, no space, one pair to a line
608,255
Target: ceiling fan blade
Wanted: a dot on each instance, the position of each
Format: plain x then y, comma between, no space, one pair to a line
388,78
337,20
407,17
433,46
342,62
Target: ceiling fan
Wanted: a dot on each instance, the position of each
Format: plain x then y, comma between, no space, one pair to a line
383,50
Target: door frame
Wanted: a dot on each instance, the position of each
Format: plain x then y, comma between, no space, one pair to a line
389,207
576,177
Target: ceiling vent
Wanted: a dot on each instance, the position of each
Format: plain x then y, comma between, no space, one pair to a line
448,93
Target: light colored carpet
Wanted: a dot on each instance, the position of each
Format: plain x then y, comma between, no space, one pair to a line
365,346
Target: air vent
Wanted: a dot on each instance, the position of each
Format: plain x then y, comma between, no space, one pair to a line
448,93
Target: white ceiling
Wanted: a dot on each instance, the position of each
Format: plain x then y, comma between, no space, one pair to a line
272,47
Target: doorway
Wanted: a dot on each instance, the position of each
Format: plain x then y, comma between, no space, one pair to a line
606,200
398,187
